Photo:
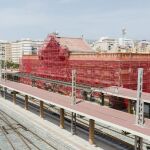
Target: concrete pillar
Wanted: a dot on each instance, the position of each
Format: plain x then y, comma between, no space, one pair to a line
26,102
61,118
14,97
41,109
91,131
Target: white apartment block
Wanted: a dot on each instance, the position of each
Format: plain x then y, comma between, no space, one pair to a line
37,44
143,46
24,47
112,45
105,44
16,51
5,51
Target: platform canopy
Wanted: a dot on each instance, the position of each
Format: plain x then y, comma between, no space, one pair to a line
123,93
114,118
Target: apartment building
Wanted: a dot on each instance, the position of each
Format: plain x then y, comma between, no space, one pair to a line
112,45
5,50
24,47
37,44
143,46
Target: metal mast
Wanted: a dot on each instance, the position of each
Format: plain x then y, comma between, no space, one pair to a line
73,102
73,87
123,36
139,109
140,103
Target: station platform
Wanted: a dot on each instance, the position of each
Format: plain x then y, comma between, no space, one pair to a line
123,93
117,119
61,138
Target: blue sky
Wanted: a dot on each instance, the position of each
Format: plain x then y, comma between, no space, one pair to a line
91,18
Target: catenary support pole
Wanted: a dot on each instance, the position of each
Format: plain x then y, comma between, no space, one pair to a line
138,143
73,87
73,123
73,102
139,109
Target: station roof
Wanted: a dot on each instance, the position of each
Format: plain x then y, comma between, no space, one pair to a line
118,119
123,93
75,44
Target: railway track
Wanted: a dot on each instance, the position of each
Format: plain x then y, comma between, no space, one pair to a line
8,140
81,125
27,142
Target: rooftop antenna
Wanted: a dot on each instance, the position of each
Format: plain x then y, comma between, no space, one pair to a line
124,32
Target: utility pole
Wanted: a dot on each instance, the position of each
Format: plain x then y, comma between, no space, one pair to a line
73,102
139,109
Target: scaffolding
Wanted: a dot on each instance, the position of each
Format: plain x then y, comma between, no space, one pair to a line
56,62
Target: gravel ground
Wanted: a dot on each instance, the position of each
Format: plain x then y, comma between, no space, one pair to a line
15,136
